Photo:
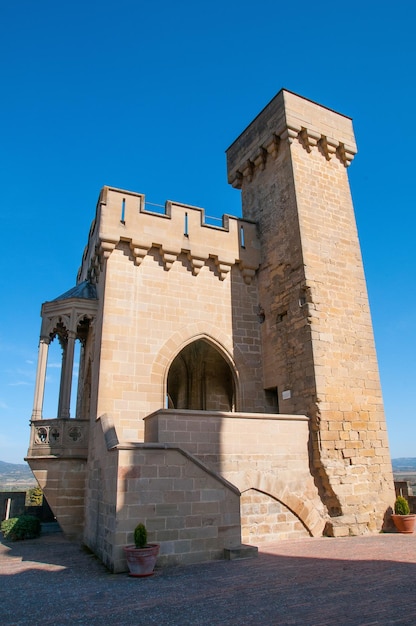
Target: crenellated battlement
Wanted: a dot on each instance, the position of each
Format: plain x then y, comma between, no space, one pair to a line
123,216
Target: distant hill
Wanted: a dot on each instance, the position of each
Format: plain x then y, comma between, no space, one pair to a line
16,477
406,464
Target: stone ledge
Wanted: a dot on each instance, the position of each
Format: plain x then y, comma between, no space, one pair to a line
241,552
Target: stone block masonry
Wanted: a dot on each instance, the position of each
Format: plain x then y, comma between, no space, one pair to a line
228,387
317,336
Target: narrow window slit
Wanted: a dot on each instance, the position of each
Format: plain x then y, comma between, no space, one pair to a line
123,210
185,228
242,242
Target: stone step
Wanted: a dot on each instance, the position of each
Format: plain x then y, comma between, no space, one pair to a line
241,552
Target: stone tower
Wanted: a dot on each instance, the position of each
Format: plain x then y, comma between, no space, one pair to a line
228,388
317,342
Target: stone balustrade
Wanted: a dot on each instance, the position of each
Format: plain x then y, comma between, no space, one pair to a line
60,437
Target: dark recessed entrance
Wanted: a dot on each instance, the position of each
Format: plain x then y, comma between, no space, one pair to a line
200,379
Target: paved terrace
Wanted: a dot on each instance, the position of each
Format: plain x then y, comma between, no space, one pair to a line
359,580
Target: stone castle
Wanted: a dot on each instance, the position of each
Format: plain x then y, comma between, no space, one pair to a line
228,386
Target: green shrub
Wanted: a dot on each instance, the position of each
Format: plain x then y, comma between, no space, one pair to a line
401,506
22,527
140,536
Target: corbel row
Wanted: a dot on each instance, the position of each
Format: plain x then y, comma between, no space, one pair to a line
327,146
168,257
102,253
309,139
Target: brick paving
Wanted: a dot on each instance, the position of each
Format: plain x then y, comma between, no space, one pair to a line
358,580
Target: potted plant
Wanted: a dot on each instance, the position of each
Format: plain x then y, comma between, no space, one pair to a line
141,557
402,518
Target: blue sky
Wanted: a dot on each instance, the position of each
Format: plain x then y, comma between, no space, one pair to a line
147,97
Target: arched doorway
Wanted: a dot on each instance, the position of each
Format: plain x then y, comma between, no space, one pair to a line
201,379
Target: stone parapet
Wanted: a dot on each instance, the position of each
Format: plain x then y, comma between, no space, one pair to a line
265,452
59,437
123,216
213,435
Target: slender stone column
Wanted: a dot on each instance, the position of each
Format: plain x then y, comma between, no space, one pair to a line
40,378
81,377
67,367
63,343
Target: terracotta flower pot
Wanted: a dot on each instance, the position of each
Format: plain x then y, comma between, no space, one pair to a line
404,523
141,561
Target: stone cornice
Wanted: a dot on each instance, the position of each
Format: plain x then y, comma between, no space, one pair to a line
168,257
287,119
269,150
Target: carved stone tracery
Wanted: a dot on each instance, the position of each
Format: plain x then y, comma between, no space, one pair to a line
67,318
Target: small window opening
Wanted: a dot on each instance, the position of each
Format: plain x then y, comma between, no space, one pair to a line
123,210
272,400
242,240
305,296
185,227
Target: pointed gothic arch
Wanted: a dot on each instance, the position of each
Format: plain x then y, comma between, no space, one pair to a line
219,340
68,318
201,378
